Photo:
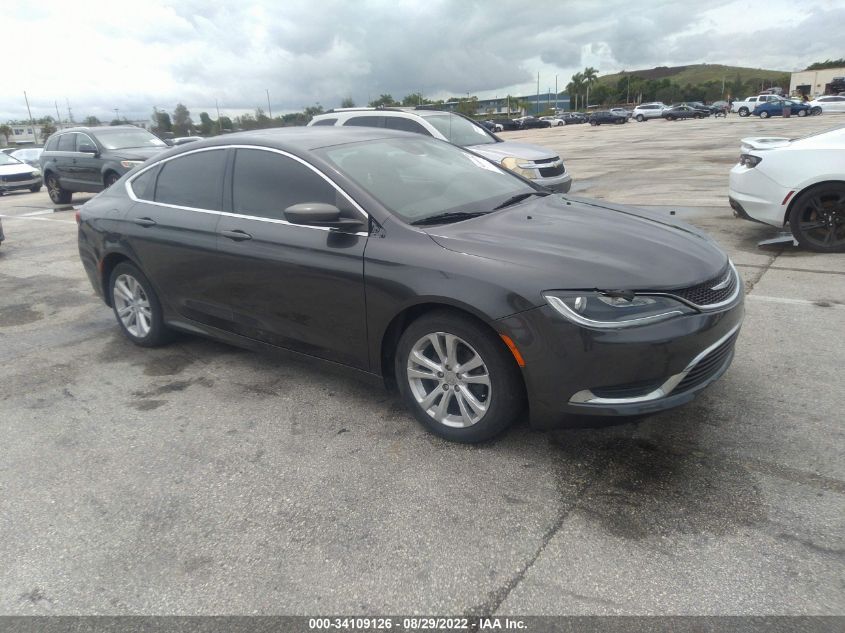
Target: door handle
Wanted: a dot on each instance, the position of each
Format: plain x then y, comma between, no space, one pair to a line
145,222
238,236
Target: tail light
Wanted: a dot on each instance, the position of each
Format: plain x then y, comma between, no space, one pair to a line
76,215
749,160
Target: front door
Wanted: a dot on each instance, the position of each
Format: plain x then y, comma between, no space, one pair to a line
297,287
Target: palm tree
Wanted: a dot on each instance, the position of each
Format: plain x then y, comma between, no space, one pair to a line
590,76
6,132
575,86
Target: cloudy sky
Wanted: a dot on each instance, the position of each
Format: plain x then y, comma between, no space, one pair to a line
138,54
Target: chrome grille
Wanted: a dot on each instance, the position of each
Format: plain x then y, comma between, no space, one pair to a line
711,292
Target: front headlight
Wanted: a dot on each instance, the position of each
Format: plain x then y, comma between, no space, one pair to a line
35,173
614,310
129,164
518,166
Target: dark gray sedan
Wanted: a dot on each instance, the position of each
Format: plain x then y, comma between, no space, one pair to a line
470,289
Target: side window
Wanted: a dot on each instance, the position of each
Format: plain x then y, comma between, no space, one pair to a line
52,143
325,122
143,185
365,121
405,125
84,140
194,180
67,143
264,184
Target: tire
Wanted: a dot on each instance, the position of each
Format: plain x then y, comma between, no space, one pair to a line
55,191
35,189
640,118
815,110
476,409
743,111
133,296
110,178
764,115
801,113
593,123
817,218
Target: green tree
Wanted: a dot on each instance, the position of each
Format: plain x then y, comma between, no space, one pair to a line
182,124
468,107
6,132
312,111
591,75
224,123
47,129
384,100
415,99
575,88
206,124
161,123
91,121
347,103
828,63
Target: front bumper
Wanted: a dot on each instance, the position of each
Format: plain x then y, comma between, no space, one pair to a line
557,184
20,184
572,371
757,196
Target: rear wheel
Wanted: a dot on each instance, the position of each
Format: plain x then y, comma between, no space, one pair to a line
55,191
817,218
593,122
136,306
802,113
816,110
764,115
35,189
457,377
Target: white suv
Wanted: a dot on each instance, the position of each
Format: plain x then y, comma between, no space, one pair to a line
648,111
536,163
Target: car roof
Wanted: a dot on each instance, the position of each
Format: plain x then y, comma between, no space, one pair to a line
299,139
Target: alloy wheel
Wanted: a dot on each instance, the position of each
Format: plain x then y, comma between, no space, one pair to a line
132,305
821,220
449,380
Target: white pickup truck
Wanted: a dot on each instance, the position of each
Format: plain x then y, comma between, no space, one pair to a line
746,106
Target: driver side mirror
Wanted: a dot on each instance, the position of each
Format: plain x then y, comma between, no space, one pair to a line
87,148
320,214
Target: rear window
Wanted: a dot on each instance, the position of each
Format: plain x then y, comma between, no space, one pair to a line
365,121
404,125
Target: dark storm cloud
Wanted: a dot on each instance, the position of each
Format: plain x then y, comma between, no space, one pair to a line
199,51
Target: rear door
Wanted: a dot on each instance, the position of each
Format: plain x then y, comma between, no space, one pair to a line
63,160
86,165
172,230
297,287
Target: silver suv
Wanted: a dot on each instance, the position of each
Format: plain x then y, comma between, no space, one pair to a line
648,111
536,163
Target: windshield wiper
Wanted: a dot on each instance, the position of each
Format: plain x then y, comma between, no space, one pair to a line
449,216
519,198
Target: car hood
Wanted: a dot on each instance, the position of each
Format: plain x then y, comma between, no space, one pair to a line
10,170
580,244
764,142
497,152
136,153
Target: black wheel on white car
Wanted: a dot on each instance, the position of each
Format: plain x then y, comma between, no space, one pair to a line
136,306
457,377
817,218
743,111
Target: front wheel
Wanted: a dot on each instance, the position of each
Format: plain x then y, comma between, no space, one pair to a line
744,112
137,307
110,179
817,218
764,115
35,188
457,377
593,123
55,191
640,118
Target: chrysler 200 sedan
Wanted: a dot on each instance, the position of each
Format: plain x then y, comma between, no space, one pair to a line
469,288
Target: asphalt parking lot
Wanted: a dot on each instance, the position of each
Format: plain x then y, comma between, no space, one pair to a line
203,479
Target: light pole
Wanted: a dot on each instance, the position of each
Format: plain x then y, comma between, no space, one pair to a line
31,120
556,99
117,115
269,109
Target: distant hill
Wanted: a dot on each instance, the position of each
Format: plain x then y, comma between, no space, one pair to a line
701,73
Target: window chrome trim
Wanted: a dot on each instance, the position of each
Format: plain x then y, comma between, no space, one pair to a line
131,193
588,397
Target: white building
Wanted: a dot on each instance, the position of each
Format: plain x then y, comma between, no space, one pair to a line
818,82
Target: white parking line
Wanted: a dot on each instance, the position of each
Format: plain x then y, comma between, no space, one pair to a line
32,213
821,303
23,217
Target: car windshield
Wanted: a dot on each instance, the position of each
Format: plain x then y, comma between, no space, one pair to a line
5,159
420,178
124,139
458,130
